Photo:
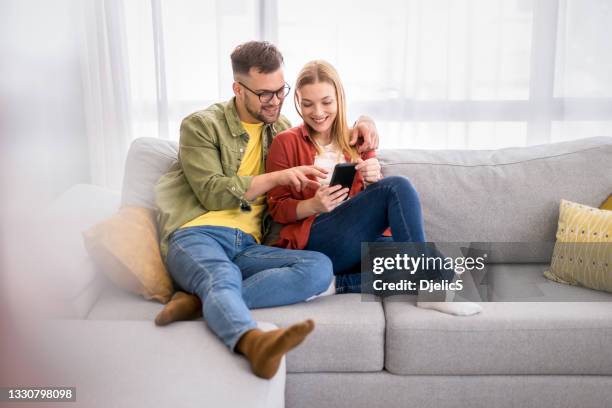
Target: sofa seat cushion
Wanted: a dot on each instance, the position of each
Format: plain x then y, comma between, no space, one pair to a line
118,304
527,283
136,364
348,336
507,338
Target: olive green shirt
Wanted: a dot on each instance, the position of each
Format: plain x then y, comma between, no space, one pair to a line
211,147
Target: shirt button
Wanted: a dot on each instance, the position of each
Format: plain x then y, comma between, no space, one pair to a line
241,150
233,188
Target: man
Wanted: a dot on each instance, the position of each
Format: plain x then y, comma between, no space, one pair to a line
212,215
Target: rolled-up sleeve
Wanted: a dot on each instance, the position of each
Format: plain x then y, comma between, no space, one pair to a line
200,159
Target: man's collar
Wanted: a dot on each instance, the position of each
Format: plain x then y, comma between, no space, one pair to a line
232,118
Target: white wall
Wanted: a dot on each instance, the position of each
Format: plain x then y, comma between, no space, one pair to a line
43,150
41,118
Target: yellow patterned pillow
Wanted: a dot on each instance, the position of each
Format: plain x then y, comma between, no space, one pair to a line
583,251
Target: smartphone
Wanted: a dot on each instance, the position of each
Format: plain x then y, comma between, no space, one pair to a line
344,173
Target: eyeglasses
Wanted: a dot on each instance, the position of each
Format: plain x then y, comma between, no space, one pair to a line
266,96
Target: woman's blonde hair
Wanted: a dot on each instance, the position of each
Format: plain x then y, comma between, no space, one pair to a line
322,71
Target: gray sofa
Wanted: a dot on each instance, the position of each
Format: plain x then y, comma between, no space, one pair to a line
536,352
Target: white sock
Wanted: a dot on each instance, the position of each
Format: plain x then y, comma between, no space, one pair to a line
331,290
453,308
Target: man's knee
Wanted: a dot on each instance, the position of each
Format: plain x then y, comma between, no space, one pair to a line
319,273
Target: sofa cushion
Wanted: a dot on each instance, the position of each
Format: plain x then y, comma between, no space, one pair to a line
348,335
371,390
505,195
526,283
118,304
147,160
137,364
552,338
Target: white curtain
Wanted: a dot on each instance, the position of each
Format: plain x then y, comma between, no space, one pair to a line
106,88
463,73
179,57
472,74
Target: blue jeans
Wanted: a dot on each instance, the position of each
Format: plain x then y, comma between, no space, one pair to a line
231,274
391,202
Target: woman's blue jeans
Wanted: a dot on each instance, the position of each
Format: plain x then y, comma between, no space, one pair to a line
231,274
391,202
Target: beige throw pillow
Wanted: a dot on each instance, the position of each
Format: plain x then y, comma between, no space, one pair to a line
583,251
126,248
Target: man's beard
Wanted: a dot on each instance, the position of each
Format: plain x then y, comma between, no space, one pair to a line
259,115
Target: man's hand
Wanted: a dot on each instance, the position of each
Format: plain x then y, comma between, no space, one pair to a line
369,169
364,135
297,177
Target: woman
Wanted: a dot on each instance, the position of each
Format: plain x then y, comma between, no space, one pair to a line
318,218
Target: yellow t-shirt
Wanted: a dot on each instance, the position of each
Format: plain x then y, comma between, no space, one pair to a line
252,165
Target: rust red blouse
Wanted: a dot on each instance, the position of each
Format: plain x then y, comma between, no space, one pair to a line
291,148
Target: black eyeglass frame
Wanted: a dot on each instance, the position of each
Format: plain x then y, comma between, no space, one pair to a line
266,96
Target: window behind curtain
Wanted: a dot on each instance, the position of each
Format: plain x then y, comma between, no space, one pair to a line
196,38
433,73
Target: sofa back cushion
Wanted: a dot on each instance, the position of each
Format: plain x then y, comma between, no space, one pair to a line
147,160
505,195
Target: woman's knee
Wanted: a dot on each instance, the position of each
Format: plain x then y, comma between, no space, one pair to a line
401,185
398,182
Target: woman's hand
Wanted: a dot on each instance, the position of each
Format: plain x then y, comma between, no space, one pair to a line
327,198
369,169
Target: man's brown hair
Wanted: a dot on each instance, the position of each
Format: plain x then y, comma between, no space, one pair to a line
261,55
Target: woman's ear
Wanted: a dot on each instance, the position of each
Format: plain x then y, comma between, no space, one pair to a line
296,103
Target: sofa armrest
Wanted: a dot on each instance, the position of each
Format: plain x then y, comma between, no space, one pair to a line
74,281
137,364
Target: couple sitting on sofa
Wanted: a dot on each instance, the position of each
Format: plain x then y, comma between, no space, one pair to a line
212,206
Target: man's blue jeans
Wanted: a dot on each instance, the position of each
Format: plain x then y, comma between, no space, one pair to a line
391,202
231,274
